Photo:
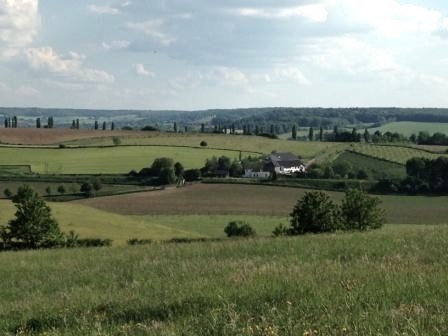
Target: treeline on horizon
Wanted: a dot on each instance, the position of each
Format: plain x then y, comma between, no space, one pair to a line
283,118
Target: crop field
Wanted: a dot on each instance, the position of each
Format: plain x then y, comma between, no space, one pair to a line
304,149
45,136
408,127
224,199
375,168
109,160
393,153
393,281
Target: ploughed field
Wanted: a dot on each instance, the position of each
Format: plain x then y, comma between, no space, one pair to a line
392,281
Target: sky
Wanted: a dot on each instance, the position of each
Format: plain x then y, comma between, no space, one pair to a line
200,54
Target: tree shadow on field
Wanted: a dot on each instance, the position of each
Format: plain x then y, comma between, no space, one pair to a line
115,313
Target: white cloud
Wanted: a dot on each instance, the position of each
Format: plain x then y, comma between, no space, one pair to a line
116,45
19,23
316,13
103,10
68,67
227,76
141,71
152,29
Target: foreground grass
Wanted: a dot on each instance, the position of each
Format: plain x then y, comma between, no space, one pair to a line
388,282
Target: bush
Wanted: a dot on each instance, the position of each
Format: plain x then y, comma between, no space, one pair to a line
136,241
315,212
94,242
192,175
116,141
61,189
7,193
203,143
239,229
87,189
360,211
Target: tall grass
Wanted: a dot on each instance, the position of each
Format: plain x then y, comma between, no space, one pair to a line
388,282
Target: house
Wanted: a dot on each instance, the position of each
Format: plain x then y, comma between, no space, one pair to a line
284,164
257,174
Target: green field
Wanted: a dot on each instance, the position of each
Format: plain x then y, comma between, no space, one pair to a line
408,128
389,282
304,149
397,154
376,169
110,160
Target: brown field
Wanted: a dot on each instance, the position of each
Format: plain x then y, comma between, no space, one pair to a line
44,136
258,200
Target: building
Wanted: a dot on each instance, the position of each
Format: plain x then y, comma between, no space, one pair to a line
249,173
284,164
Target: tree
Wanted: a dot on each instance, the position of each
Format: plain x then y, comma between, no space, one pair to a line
104,126
203,143
315,212
360,211
167,176
48,190
33,224
38,123
77,123
202,128
7,193
73,124
178,170
61,189
239,229
14,122
116,141
112,126
311,134
50,122
175,127
366,135
97,185
87,189
96,125
321,134
161,163
294,132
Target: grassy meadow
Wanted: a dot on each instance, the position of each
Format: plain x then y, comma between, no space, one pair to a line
391,281
408,128
111,160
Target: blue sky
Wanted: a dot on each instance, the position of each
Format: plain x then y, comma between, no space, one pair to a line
197,54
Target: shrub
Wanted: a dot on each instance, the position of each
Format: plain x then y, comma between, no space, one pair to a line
116,141
7,193
203,143
94,242
61,189
62,146
360,211
280,230
87,189
192,175
136,241
239,229
315,212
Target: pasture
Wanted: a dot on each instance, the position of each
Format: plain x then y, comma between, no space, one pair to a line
398,154
110,160
408,128
240,200
305,149
387,282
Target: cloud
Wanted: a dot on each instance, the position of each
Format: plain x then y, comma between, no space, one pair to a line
116,45
316,12
103,10
69,67
19,23
152,29
141,71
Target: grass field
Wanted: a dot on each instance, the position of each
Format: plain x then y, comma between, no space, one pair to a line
223,199
244,143
105,160
46,136
388,282
408,127
376,169
393,153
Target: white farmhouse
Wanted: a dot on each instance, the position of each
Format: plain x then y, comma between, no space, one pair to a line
284,164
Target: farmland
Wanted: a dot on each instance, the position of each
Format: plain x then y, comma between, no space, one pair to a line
120,159
397,154
391,281
408,128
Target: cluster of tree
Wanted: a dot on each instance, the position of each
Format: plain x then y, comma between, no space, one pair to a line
423,176
34,226
335,170
222,166
91,188
315,212
11,122
165,170
424,138
239,229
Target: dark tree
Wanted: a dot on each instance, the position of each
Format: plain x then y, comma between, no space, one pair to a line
6,122
203,143
7,193
87,189
61,189
77,123
178,170
33,224
73,124
161,163
167,176
239,229
96,125
48,190
311,134
202,128
104,126
294,132
50,122
97,185
38,125
112,126
175,127
314,212
366,135
14,122
321,134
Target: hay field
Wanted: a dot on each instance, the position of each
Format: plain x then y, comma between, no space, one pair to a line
408,128
225,199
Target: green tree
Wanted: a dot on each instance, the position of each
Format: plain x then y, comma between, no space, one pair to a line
112,126
104,126
38,123
116,141
7,193
167,176
175,127
33,224
161,163
239,229
311,134
294,132
97,185
48,190
96,125
203,143
87,189
315,212
178,170
321,134
61,189
360,211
